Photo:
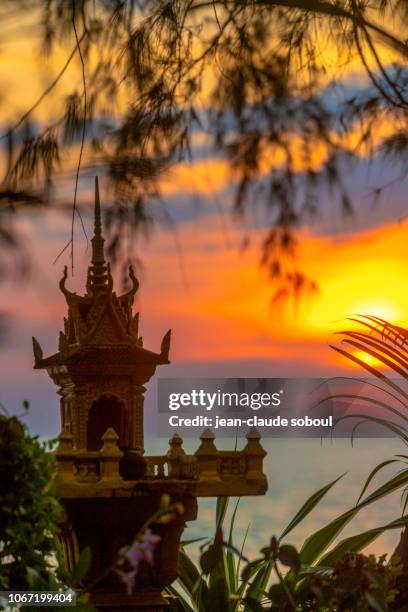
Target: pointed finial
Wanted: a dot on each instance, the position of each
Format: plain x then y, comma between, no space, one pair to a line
97,221
98,277
207,434
97,240
253,434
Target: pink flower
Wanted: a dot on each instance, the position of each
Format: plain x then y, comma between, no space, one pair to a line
135,555
149,541
142,549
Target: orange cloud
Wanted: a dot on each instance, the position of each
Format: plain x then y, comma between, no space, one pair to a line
221,309
227,312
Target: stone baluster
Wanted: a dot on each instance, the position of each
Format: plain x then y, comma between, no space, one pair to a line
208,458
254,453
65,455
110,454
160,469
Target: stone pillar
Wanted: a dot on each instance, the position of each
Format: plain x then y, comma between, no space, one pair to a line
174,456
255,454
137,443
208,458
110,454
65,455
80,416
66,391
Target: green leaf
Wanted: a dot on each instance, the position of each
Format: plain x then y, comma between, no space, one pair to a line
215,558
188,542
179,603
249,575
260,580
376,602
360,541
253,605
234,551
308,507
221,510
378,349
395,428
391,485
242,551
81,568
217,597
231,568
378,468
249,569
318,542
370,369
190,577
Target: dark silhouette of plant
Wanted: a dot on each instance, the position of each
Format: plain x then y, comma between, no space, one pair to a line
252,75
309,579
387,345
30,514
29,511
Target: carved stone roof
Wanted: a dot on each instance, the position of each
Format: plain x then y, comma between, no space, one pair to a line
100,321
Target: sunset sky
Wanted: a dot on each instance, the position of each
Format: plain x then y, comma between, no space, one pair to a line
196,279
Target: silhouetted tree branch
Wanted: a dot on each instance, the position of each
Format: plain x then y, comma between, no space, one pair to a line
251,75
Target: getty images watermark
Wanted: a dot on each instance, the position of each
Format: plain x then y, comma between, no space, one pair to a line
218,399
295,407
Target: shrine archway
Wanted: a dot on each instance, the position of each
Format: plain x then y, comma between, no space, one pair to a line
107,411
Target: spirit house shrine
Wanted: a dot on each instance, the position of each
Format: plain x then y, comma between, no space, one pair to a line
101,364
107,485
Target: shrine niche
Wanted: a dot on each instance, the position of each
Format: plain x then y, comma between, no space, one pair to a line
106,484
107,411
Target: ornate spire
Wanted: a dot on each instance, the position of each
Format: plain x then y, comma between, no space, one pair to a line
97,240
98,272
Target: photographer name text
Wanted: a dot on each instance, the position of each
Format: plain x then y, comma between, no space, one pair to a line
200,421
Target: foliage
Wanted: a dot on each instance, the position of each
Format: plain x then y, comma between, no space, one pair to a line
357,583
315,578
29,511
30,555
255,77
30,514
377,346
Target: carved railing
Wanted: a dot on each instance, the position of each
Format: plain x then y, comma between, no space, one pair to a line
232,463
157,466
87,467
208,467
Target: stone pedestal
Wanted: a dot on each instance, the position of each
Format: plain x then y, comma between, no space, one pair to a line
106,525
